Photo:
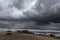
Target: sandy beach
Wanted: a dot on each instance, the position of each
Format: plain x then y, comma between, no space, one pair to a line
24,36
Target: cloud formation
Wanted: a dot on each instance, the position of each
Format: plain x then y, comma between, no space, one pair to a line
36,12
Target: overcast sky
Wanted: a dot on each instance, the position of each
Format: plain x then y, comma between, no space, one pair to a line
33,14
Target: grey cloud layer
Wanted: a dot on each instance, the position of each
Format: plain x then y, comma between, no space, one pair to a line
39,12
28,8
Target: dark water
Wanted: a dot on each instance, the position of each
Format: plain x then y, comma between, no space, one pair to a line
29,25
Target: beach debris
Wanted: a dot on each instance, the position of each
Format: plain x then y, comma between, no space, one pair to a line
9,33
52,35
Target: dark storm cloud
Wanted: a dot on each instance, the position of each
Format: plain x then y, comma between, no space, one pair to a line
42,11
55,13
30,13
45,15
34,10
